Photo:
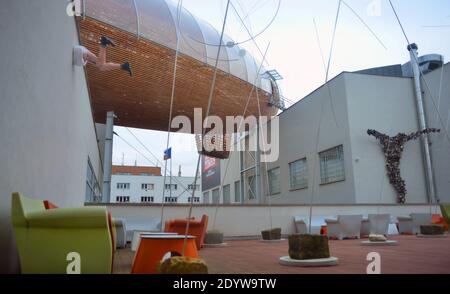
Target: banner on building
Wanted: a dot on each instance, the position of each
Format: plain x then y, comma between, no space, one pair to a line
210,172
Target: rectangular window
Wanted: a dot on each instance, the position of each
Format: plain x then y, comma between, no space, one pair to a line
298,174
196,199
206,197
174,187
332,165
216,196
147,199
171,199
148,187
226,194
251,187
123,199
92,186
123,186
274,181
191,187
237,191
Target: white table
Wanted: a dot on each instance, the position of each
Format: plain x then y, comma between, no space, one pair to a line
138,233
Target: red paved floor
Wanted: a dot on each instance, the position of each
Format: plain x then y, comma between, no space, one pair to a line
412,255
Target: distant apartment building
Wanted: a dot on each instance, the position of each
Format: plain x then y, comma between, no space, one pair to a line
140,184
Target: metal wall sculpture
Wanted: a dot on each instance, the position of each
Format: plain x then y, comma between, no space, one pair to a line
393,149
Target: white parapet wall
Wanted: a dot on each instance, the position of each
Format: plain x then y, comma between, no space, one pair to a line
249,220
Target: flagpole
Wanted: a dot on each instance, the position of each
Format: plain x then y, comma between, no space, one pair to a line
170,192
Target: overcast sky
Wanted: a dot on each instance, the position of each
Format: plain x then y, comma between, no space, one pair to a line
294,50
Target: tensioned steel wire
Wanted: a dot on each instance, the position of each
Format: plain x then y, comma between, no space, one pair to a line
322,109
422,74
239,128
210,99
436,107
169,128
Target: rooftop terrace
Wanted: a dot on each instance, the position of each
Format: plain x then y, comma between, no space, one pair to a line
412,255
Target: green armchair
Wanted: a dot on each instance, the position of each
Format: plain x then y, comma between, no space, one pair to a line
45,237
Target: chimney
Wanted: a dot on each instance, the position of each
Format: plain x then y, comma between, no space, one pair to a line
179,170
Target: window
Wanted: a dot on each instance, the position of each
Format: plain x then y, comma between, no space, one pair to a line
332,165
123,186
251,187
148,187
146,199
206,197
191,187
274,181
196,199
174,187
298,173
146,174
237,191
123,199
123,174
216,196
92,187
226,194
171,199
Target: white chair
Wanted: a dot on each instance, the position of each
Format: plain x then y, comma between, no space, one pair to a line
393,230
405,224
300,225
346,226
365,227
411,224
151,224
121,237
379,224
317,221
420,219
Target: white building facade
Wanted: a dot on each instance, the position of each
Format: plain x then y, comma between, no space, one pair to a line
150,189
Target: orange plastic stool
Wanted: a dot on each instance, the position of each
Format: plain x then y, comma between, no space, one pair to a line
152,249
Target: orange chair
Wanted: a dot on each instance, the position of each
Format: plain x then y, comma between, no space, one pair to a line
196,228
152,248
437,219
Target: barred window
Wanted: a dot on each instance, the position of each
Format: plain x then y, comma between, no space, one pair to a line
148,186
216,196
147,199
123,186
174,187
298,173
123,199
196,199
191,187
226,194
332,165
206,197
171,199
274,181
237,191
251,187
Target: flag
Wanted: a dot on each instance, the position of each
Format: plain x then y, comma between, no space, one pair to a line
168,154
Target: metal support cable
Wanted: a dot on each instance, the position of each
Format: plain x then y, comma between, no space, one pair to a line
169,128
210,99
240,126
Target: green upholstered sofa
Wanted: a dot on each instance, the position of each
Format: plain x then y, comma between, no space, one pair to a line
46,237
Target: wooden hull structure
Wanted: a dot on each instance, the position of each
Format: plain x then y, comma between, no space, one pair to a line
145,35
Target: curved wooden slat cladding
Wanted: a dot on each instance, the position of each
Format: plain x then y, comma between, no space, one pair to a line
143,101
